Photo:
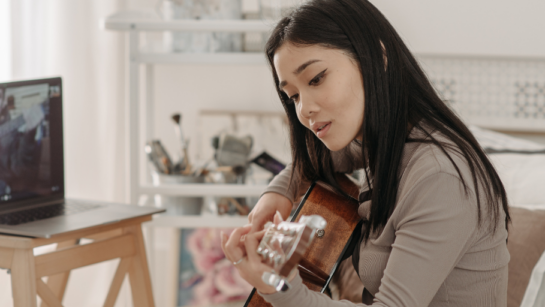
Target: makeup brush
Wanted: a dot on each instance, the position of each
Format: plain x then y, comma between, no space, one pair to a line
186,166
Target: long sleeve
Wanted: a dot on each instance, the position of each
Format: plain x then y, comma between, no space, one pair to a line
434,228
299,296
281,184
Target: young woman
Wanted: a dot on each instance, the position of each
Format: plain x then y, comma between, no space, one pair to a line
436,225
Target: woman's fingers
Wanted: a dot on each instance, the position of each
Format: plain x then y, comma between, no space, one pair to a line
237,234
251,242
232,246
266,207
277,218
259,235
243,242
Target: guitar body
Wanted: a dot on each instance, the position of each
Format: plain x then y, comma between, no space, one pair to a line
326,252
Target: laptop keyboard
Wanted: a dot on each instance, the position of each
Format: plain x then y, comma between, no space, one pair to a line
40,213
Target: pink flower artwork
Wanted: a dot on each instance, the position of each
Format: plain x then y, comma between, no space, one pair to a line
205,248
228,280
221,282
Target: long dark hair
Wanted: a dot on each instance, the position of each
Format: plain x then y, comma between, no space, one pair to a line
395,98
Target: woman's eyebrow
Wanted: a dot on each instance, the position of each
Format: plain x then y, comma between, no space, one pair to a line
298,71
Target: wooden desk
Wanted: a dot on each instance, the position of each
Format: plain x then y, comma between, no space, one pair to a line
117,240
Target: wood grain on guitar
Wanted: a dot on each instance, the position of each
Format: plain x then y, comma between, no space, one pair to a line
321,259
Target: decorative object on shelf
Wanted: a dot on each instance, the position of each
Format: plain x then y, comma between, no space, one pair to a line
232,150
273,10
165,9
211,279
183,166
231,156
203,9
267,128
269,163
158,156
269,132
253,41
227,204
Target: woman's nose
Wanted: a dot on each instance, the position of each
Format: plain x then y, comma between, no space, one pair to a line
308,107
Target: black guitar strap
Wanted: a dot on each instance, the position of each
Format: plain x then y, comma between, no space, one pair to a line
355,244
354,248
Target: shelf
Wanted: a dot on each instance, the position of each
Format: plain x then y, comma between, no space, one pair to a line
149,21
197,221
200,58
133,23
204,190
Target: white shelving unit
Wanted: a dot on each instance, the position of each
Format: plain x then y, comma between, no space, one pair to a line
133,23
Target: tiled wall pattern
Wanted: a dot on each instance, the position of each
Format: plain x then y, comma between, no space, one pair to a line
501,93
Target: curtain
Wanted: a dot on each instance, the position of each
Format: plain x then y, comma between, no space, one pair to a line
46,38
5,43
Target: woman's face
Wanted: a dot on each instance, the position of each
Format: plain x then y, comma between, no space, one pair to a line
326,87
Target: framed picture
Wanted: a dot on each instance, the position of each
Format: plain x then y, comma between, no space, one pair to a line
206,277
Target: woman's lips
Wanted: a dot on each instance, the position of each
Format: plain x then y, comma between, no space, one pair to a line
323,132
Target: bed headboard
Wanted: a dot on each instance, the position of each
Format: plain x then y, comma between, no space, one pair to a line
502,94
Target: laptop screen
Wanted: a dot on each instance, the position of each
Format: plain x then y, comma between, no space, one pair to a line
31,140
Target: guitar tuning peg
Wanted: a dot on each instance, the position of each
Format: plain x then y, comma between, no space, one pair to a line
276,281
277,260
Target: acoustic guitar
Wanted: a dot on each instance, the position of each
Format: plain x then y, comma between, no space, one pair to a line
315,250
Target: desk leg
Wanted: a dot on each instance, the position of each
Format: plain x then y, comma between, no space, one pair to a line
57,283
139,275
23,278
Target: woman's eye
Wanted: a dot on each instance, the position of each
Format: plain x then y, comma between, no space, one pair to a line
318,78
293,99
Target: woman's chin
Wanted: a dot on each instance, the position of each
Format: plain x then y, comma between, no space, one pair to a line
335,146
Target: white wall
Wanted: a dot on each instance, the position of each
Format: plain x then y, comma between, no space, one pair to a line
484,27
5,28
474,27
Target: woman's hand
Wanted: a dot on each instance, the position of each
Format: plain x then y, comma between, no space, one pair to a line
266,208
241,249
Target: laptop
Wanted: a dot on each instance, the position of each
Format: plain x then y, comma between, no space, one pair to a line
32,201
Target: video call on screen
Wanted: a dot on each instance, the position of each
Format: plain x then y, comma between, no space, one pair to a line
26,141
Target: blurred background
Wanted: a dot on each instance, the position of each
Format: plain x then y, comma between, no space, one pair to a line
486,58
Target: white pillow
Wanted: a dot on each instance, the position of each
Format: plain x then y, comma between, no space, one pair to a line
520,164
493,142
523,176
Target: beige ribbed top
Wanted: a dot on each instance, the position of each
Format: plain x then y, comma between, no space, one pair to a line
431,252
